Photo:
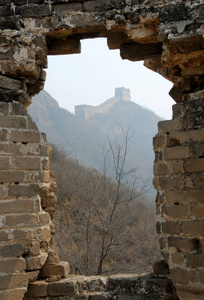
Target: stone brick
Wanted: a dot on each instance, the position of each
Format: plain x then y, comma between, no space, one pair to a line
62,268
21,220
160,169
63,9
39,176
12,281
184,137
25,136
17,108
21,235
12,250
68,46
199,150
198,211
4,136
35,262
4,108
12,265
176,211
9,83
182,243
5,163
193,228
11,149
41,10
17,205
201,276
44,233
36,289
180,275
26,163
171,227
170,182
179,152
178,166
169,126
194,260
49,201
13,122
198,180
16,294
3,192
12,176
184,197
21,190
177,258
61,288
4,236
44,218
195,165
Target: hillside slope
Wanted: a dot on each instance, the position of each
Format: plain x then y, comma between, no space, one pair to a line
85,140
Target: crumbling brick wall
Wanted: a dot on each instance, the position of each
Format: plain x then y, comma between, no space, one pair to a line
168,36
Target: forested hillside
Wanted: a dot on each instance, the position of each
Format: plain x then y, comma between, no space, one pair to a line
87,140
101,225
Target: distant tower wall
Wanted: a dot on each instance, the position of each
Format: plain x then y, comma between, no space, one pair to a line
123,94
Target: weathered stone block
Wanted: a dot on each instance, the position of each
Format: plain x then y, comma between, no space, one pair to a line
23,190
9,83
4,236
169,227
3,192
10,149
32,276
25,136
13,122
21,220
12,250
170,182
68,46
12,265
177,258
182,243
180,275
16,294
160,169
18,205
12,176
193,228
194,260
32,10
159,141
5,163
27,163
169,126
63,9
62,268
179,152
198,211
12,281
176,211
35,262
195,165
61,288
36,289
136,51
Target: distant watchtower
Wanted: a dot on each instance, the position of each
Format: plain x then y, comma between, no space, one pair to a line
123,94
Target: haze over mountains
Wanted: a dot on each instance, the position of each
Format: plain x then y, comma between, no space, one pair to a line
84,136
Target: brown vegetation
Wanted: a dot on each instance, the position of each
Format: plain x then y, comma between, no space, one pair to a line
102,226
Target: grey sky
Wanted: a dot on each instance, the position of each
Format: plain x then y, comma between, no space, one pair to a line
92,76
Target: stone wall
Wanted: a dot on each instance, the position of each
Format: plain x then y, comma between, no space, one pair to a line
168,36
84,112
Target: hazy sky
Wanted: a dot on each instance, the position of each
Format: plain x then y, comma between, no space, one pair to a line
92,76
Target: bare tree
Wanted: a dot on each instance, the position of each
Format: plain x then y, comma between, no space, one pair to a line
103,217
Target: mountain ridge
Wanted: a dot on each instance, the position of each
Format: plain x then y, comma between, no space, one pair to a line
85,140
